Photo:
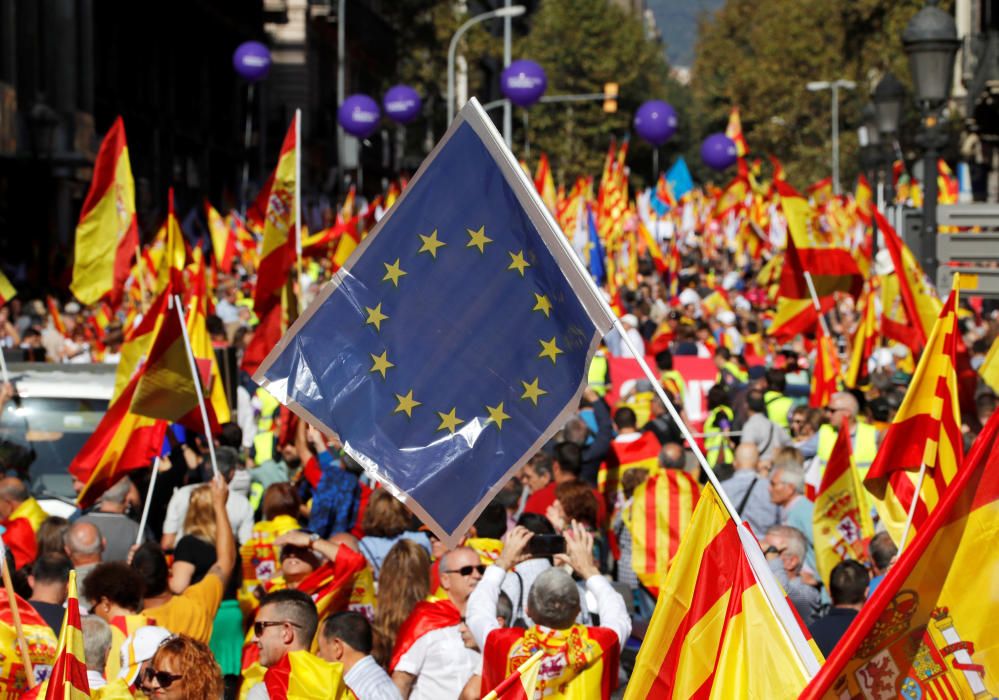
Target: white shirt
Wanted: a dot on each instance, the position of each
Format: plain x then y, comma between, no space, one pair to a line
441,663
368,681
238,508
517,590
96,680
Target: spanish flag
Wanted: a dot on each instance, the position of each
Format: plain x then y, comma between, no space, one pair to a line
107,234
929,629
68,680
522,683
544,183
427,616
42,647
842,516
138,338
713,633
926,430
223,239
660,513
277,256
202,348
173,250
826,377
299,675
642,453
865,340
7,291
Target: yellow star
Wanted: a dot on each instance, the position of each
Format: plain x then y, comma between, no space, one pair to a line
532,391
449,421
393,272
431,244
406,404
549,349
496,415
381,363
518,263
478,239
375,316
543,305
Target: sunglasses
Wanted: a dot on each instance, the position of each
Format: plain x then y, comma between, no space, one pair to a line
164,678
259,627
467,570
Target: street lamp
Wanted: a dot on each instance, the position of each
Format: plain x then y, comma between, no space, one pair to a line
512,11
889,96
834,87
931,43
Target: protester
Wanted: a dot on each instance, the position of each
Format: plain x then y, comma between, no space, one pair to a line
182,669
760,430
49,581
848,583
51,535
20,516
118,530
346,638
787,491
406,583
386,520
785,548
85,548
883,552
748,490
136,651
96,646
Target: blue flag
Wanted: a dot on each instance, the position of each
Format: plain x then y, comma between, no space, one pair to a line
678,178
456,339
597,254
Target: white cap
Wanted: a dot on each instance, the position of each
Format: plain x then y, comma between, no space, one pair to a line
689,296
727,317
138,648
630,320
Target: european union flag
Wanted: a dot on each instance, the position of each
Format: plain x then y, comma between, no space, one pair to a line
679,178
455,341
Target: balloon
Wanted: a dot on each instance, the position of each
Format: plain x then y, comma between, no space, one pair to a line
523,82
359,115
718,151
402,103
655,121
252,61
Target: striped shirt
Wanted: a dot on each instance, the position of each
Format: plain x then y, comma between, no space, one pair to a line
368,681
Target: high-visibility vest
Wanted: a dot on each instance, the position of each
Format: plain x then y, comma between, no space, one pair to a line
263,441
672,381
718,446
598,376
865,446
738,374
778,407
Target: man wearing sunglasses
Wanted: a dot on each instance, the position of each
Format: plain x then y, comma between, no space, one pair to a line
430,659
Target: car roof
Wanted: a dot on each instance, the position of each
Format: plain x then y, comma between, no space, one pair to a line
46,380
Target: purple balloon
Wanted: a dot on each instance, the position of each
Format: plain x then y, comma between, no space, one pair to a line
359,116
655,121
718,151
252,60
523,82
402,103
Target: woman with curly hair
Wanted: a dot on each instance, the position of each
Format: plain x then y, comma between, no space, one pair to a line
404,583
182,669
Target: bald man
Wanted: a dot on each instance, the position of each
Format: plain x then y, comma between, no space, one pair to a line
84,546
750,492
671,456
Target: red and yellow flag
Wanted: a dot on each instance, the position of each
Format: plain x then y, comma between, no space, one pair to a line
299,675
841,518
544,183
202,348
522,683
277,254
734,131
926,430
713,633
827,376
642,453
989,371
865,340
42,648
661,510
68,680
929,630
171,249
107,234
223,238
7,291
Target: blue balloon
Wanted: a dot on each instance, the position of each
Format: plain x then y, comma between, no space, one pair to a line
359,116
718,151
523,82
656,122
402,103
252,60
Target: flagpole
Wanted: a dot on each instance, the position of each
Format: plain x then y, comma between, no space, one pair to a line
22,642
298,207
175,302
816,303
149,499
518,673
912,507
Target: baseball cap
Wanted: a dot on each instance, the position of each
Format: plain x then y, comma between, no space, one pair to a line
138,648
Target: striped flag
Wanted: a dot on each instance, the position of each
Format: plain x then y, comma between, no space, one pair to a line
713,633
223,238
68,680
107,234
661,510
865,340
926,430
277,254
841,518
545,183
642,453
173,250
299,675
826,377
521,684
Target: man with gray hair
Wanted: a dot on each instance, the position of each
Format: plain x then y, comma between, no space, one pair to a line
787,491
671,456
553,603
85,548
748,490
785,549
96,645
118,530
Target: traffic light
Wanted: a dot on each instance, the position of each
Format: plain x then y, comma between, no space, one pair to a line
610,97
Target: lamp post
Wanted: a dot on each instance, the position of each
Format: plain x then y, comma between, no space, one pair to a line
889,95
511,11
931,43
834,88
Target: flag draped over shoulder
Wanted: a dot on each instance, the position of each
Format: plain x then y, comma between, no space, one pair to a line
713,633
493,282
427,616
107,234
299,675
42,647
926,430
642,453
661,511
929,630
841,517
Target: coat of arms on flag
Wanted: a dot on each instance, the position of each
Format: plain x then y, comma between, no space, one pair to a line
455,340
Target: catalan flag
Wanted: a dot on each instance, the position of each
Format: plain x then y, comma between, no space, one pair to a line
713,633
521,684
107,234
68,680
455,340
7,291
926,430
660,513
841,517
929,630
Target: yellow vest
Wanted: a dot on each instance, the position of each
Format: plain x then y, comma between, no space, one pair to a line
671,376
718,446
598,375
738,374
263,441
778,407
865,446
